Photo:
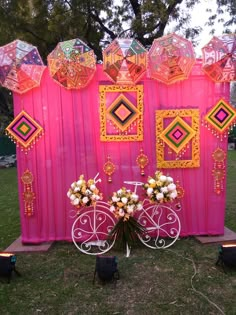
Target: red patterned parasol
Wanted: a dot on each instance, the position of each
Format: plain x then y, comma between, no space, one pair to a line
21,66
171,59
219,58
125,61
72,64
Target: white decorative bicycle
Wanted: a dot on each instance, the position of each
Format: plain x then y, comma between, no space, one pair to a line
90,230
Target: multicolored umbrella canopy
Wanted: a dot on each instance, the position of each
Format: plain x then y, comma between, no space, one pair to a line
125,61
72,64
170,59
21,66
219,58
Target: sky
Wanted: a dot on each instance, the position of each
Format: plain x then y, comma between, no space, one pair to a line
199,17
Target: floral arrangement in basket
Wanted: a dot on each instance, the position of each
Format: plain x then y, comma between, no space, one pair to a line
160,188
84,193
123,204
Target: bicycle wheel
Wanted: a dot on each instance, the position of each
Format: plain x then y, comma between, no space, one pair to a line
90,231
162,226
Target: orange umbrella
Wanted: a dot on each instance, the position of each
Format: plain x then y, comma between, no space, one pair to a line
72,64
219,58
125,61
21,66
170,59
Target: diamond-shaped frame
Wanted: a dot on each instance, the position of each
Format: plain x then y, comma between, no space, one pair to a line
191,114
177,134
122,112
24,130
221,116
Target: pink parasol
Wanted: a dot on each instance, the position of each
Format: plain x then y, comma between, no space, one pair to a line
170,59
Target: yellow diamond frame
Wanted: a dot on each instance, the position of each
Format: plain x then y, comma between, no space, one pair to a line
161,115
103,90
171,125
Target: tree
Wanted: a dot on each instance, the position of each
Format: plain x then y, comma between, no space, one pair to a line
44,23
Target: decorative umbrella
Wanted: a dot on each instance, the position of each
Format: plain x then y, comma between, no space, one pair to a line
171,59
21,66
125,61
219,58
72,64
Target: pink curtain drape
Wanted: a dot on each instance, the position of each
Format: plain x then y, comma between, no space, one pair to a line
71,146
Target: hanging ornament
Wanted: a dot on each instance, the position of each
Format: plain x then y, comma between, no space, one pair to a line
24,131
142,161
28,194
218,171
220,119
109,168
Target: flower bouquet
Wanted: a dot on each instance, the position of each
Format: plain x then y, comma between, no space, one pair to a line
160,188
84,193
123,204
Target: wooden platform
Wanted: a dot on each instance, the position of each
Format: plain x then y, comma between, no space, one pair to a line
17,247
228,237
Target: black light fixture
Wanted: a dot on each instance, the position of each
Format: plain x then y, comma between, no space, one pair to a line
227,256
7,265
106,268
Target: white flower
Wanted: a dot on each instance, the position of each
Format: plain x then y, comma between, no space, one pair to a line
173,194
149,191
77,189
79,182
121,212
171,187
115,199
119,192
73,185
139,207
162,178
72,197
169,179
164,189
69,193
112,208
76,202
124,200
85,200
159,196
92,187
134,197
151,181
96,197
88,192
130,209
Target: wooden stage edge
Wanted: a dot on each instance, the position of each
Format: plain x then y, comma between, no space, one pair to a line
228,237
17,247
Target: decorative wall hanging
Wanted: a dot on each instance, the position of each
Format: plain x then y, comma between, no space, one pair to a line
220,118
170,59
121,113
28,194
109,168
142,161
218,171
125,61
219,58
24,131
21,66
177,138
72,64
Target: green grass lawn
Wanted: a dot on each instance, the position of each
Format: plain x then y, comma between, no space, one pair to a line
181,280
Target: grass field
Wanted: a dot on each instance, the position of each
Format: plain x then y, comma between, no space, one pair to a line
181,280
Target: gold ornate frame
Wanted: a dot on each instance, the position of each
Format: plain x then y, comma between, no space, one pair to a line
161,115
103,90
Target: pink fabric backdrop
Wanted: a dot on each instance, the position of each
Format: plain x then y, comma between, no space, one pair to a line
71,146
